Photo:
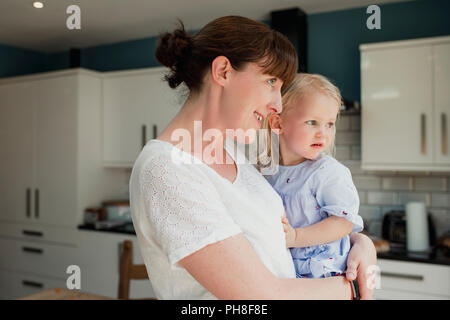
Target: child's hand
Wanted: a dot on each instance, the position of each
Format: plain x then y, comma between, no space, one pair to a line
289,232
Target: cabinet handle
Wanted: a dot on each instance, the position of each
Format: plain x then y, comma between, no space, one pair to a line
155,131
32,250
144,135
444,133
28,202
36,203
32,233
32,284
402,276
423,134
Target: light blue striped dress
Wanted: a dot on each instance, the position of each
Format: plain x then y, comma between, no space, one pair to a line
312,191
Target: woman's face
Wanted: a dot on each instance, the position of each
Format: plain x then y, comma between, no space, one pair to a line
308,127
248,99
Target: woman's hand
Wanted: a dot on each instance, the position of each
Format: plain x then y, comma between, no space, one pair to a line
289,232
361,263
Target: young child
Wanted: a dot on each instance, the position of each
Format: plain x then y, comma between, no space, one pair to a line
318,193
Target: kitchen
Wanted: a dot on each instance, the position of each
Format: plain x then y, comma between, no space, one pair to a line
75,115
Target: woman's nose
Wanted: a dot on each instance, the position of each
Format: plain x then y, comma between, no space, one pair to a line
276,105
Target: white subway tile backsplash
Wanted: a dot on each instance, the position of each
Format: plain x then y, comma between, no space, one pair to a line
370,212
380,198
362,197
367,182
440,199
356,153
343,123
395,183
355,122
342,153
348,137
354,167
429,184
405,197
441,219
386,209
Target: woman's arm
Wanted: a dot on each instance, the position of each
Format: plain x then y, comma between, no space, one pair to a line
361,263
325,231
230,269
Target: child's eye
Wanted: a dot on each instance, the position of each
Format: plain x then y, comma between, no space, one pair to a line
311,122
330,125
272,81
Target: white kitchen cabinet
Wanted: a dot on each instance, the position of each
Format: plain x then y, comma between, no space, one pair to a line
137,106
16,285
17,113
35,257
100,253
405,104
402,280
51,142
441,55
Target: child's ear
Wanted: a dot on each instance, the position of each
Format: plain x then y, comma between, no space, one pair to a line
275,123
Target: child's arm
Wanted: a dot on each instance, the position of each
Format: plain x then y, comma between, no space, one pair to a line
325,231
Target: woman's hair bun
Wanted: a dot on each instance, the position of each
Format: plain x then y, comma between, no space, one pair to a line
173,47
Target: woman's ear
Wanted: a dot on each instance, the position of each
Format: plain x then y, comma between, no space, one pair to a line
275,123
220,70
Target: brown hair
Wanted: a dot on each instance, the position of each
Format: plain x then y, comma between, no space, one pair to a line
240,39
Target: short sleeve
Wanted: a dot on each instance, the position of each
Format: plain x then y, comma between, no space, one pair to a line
184,207
337,195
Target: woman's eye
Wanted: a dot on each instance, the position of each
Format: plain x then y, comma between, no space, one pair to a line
272,81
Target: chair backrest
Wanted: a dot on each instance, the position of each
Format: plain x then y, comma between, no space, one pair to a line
128,270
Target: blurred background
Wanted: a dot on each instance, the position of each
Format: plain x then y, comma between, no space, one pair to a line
81,93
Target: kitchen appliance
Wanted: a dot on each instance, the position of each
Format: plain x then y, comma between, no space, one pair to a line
417,238
394,229
118,210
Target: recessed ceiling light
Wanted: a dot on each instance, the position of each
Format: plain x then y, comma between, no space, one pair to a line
38,4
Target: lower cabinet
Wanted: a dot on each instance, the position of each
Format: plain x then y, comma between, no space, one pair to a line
14,285
38,259
100,264
402,280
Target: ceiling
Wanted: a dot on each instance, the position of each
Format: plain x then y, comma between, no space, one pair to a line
110,21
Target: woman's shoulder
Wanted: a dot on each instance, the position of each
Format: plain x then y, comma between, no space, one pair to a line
162,160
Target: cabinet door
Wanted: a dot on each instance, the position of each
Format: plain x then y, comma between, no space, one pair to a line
56,150
137,106
441,55
163,102
124,118
397,117
17,112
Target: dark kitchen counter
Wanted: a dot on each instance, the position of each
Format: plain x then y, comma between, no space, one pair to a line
124,229
433,257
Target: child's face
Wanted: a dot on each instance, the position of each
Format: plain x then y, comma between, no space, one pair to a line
308,127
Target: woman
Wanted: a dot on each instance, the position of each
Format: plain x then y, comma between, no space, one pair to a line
210,226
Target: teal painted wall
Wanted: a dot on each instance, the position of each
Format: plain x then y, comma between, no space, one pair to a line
334,37
17,61
333,44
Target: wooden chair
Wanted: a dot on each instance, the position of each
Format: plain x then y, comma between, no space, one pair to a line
129,271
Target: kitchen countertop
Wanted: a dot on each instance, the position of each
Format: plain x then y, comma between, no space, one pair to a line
433,257
124,229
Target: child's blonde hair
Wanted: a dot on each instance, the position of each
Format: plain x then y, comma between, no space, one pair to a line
303,82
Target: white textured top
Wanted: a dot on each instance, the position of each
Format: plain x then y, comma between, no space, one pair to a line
180,205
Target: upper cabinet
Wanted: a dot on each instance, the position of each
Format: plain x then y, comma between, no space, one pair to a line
406,105
137,106
50,137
